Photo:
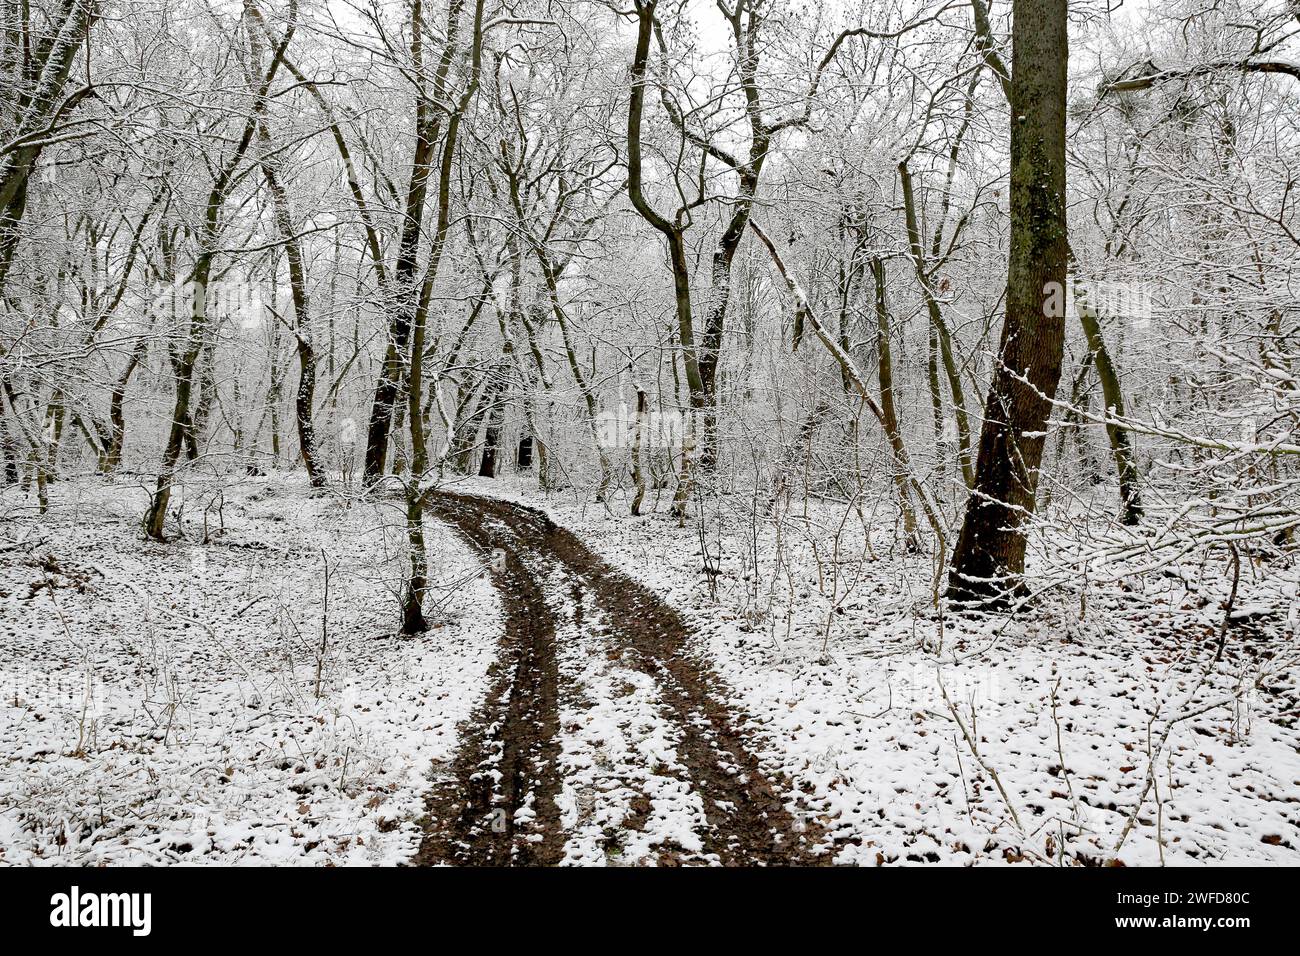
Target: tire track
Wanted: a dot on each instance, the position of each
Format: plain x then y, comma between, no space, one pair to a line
506,762
515,731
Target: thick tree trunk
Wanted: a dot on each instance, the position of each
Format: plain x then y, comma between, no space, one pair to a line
10,232
989,561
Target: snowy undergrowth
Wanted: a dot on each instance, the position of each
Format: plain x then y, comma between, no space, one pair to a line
1060,730
208,701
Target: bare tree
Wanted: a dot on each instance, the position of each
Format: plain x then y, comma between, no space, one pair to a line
989,560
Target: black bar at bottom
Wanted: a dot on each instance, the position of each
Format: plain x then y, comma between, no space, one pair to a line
364,907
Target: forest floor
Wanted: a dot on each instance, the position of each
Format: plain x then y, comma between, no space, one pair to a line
209,702
612,690
648,760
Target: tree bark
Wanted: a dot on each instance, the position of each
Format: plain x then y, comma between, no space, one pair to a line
638,446
1113,395
406,289
989,561
304,399
112,457
40,105
888,410
413,619
673,232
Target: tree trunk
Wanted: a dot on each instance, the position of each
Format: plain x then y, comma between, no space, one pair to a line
406,288
156,516
112,458
678,257
304,400
939,330
198,420
271,164
638,447
989,561
43,105
889,413
491,443
413,619
1120,445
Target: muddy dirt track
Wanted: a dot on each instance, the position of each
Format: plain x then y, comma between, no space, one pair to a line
497,804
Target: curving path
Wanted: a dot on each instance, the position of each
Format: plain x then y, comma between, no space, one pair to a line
500,802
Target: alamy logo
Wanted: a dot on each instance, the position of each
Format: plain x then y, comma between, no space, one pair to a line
229,298
103,909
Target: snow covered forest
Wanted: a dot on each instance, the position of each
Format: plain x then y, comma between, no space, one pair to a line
649,432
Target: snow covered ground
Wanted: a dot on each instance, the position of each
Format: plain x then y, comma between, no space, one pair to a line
195,702
210,703
1066,707
626,794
